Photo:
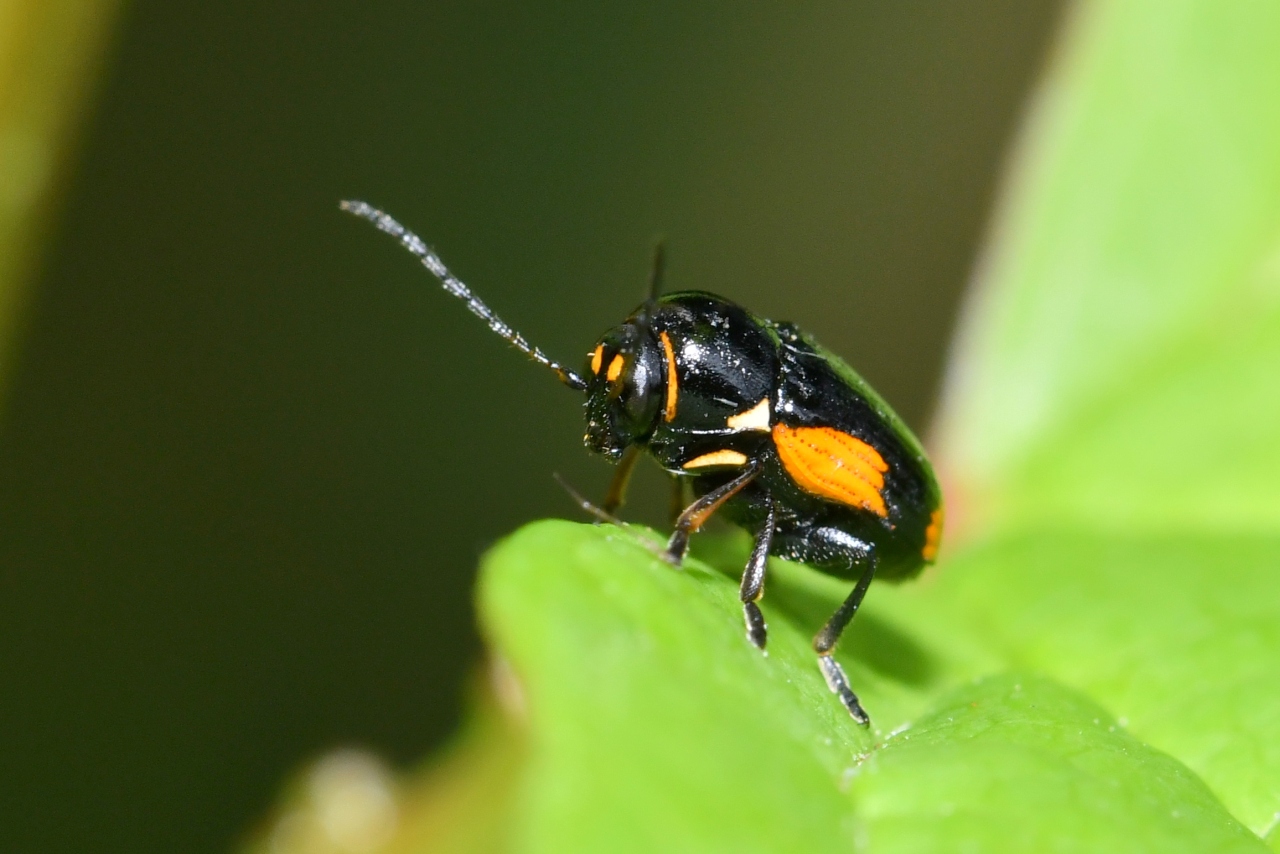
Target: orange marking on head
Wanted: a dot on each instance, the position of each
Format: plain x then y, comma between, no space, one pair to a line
833,465
673,385
615,368
597,357
717,458
932,536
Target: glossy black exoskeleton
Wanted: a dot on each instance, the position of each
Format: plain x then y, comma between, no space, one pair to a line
771,431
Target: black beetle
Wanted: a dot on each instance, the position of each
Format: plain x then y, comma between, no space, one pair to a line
772,431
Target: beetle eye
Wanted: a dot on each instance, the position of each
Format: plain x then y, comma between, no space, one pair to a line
639,394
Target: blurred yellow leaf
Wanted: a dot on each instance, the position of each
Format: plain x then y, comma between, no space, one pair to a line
50,51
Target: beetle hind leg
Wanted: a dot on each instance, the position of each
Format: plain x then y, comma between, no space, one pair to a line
833,673
752,589
825,644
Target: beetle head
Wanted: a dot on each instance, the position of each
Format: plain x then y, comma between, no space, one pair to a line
626,384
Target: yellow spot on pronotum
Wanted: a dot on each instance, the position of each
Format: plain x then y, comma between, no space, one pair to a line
673,385
833,465
932,536
597,357
615,368
755,418
717,458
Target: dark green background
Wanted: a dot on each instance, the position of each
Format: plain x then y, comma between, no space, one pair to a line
251,453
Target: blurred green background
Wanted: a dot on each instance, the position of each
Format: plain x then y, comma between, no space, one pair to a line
249,453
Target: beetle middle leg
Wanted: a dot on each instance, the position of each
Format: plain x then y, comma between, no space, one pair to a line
752,589
825,644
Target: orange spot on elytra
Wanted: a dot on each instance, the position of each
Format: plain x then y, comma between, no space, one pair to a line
833,465
932,536
597,357
673,385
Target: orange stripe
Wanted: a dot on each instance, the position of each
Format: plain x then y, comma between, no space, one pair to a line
673,385
717,458
833,465
597,356
932,536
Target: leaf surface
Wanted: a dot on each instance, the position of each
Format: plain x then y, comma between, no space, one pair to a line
656,726
1118,360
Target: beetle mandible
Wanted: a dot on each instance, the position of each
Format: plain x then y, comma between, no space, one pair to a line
771,431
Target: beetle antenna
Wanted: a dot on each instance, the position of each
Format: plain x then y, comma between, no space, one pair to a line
658,269
453,285
583,504
660,550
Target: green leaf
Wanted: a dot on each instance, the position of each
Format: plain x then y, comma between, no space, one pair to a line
1017,763
656,726
1118,364
1113,408
1178,635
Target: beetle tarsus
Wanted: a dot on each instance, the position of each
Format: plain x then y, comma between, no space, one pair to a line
825,644
757,632
839,685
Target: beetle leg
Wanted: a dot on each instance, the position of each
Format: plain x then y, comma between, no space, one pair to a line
697,513
825,644
752,589
621,478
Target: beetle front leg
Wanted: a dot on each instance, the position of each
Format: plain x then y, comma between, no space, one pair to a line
752,589
621,480
697,513
825,644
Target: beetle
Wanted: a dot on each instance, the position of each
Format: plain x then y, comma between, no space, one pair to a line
770,430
